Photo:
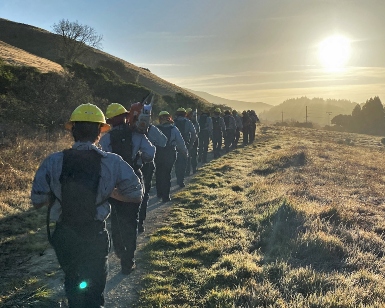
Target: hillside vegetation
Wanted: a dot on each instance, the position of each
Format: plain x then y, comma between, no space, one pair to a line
43,44
295,219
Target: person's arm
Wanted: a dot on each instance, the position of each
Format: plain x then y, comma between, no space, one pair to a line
128,187
146,148
180,144
156,137
41,194
193,133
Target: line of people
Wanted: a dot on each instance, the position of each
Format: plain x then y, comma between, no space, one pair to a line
108,172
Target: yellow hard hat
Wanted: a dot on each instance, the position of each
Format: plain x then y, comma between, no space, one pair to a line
188,110
88,113
114,110
218,110
181,109
162,113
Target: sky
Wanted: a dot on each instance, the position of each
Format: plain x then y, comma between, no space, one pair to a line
249,50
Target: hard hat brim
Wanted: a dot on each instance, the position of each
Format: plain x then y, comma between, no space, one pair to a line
103,127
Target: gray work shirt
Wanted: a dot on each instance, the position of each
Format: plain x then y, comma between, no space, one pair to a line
115,172
176,139
156,137
140,145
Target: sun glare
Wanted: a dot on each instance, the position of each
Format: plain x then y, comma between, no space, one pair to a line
334,52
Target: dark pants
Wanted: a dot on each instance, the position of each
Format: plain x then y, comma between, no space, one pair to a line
253,129
236,137
217,143
148,172
180,168
164,161
124,224
229,139
82,254
246,133
192,160
204,139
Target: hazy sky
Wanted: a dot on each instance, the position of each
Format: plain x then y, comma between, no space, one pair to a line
250,50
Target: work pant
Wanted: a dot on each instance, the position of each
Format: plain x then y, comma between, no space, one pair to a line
164,161
124,224
217,143
229,139
236,137
180,168
204,138
82,254
192,160
253,129
246,133
148,172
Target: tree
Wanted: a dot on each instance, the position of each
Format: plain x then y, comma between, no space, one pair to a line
77,39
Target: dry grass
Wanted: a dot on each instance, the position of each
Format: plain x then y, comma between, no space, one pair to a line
294,220
15,56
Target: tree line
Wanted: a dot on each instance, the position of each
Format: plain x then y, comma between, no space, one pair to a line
368,119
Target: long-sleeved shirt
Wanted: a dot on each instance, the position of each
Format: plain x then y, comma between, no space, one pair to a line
140,145
229,122
238,121
221,123
115,172
156,137
176,139
205,123
189,129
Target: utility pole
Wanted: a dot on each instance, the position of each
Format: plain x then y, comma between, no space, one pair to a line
329,113
306,114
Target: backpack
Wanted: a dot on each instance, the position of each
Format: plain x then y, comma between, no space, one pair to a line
166,130
79,184
202,122
121,143
216,124
181,125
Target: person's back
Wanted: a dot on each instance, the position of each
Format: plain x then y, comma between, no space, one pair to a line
165,157
76,184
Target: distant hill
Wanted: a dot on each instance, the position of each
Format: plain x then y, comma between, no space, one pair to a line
319,111
39,43
234,104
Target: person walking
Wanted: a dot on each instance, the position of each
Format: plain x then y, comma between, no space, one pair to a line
219,131
205,134
192,160
246,123
238,122
230,130
76,185
165,156
158,139
125,141
253,126
189,136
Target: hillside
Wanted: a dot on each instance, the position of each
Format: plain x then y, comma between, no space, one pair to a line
234,104
42,44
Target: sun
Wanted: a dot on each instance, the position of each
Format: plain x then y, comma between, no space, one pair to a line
334,52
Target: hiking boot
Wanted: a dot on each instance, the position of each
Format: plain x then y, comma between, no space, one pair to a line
127,270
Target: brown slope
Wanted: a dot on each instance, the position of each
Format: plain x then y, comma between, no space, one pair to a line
44,44
16,56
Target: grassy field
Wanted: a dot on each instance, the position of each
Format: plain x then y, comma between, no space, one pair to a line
294,220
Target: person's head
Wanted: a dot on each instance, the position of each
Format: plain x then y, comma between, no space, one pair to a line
234,112
181,112
227,112
86,123
189,112
217,111
165,117
116,114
